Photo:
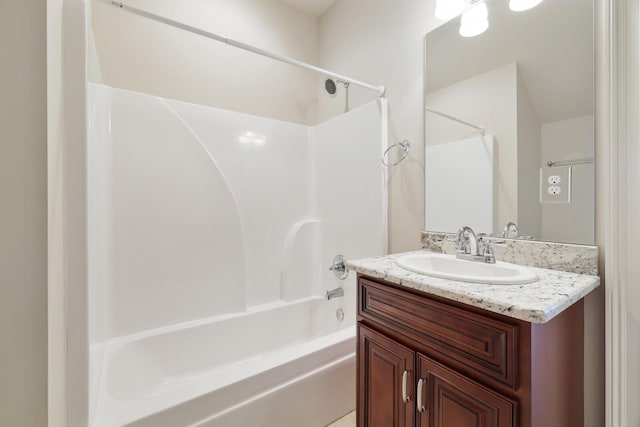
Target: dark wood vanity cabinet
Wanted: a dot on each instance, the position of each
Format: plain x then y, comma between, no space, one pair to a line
441,397
428,362
387,368
451,399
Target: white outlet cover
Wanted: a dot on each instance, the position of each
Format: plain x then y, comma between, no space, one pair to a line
555,184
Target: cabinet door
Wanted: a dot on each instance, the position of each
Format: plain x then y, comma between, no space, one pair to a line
386,381
449,399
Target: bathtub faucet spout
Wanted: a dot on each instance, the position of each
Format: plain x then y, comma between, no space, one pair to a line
335,293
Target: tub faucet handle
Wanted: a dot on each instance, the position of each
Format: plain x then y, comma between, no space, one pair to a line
339,267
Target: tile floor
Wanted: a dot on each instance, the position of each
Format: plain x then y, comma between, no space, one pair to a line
348,420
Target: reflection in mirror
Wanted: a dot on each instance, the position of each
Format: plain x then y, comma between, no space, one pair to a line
498,108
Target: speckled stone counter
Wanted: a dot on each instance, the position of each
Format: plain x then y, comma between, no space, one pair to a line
536,302
581,259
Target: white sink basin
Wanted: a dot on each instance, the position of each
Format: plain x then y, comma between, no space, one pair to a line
452,268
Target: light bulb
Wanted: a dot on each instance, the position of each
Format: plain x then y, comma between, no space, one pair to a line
474,20
521,5
447,9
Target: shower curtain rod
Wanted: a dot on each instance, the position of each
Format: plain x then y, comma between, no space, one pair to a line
380,90
455,119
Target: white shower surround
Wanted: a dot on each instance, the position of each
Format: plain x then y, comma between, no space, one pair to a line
197,215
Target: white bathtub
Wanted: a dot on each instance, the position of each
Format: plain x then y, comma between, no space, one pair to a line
277,365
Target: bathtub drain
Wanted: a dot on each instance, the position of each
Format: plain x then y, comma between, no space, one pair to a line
340,314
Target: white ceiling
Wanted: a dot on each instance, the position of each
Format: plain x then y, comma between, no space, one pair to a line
313,7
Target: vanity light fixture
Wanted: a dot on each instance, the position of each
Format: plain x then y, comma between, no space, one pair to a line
447,9
522,5
475,19
475,15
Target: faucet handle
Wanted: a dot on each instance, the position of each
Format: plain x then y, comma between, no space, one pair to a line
489,256
339,267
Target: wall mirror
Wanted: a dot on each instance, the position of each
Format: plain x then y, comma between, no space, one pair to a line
509,123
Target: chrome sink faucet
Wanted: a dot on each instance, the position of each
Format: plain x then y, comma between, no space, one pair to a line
511,226
472,252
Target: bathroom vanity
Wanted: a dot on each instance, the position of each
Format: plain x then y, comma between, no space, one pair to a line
435,352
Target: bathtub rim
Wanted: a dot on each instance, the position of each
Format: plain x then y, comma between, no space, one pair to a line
320,352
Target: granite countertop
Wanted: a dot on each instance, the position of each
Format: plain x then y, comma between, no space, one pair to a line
536,302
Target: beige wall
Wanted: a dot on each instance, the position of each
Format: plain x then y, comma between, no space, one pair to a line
141,55
565,140
23,214
382,42
529,211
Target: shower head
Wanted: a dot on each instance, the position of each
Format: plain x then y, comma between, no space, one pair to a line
330,87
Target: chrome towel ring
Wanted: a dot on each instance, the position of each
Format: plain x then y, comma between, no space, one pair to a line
405,146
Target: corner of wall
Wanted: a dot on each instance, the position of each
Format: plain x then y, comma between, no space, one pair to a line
67,279
528,159
94,70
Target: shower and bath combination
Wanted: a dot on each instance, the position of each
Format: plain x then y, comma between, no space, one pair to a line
166,317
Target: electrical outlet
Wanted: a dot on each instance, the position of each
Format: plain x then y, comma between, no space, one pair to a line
555,184
554,179
554,190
